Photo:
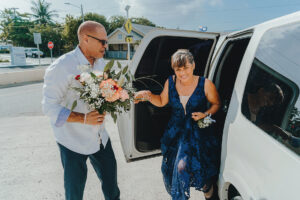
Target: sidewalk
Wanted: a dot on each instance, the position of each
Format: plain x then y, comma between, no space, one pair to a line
30,167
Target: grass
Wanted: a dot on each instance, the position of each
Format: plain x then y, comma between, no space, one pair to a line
3,60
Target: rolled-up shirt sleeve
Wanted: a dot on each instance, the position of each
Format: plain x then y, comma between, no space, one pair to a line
54,89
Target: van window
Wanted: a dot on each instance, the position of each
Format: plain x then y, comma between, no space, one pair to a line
271,98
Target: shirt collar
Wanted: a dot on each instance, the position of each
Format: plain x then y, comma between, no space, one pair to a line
82,59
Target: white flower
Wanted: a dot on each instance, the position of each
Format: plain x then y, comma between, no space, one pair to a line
84,68
86,77
205,122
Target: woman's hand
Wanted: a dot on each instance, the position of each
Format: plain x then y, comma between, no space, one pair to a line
143,95
198,115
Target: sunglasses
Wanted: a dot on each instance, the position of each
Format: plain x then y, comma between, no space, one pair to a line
103,42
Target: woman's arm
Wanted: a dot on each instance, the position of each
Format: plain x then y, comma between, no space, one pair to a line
213,98
157,100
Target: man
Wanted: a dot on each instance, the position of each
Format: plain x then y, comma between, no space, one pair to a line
80,134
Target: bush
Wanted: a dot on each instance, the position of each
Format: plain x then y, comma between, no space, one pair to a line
3,60
4,51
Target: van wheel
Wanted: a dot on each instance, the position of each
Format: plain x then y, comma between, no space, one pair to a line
233,193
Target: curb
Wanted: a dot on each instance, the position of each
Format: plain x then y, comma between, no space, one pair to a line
21,76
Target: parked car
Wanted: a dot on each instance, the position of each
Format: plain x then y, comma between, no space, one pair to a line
33,52
255,163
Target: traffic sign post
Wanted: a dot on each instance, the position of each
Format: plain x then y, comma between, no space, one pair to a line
128,39
50,46
38,40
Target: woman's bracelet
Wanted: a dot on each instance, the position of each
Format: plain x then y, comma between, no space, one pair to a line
84,120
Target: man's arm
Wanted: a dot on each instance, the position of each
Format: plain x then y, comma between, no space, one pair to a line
54,88
91,118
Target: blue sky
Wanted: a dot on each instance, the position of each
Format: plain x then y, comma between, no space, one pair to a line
217,15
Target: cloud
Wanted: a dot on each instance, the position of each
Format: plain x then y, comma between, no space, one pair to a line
187,7
216,2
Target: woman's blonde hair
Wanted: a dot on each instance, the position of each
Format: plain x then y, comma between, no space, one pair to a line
181,57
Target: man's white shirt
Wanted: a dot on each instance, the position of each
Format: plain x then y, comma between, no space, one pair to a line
58,98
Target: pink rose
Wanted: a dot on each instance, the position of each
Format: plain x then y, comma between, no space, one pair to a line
124,95
110,90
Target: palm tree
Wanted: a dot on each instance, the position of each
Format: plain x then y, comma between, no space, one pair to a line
42,13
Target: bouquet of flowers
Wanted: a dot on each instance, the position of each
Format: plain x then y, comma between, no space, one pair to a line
206,121
108,91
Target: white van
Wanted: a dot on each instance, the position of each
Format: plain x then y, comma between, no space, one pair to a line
255,164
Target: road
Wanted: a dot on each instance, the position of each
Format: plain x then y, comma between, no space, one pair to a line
30,167
29,60
5,67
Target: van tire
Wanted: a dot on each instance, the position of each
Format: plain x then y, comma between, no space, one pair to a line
233,193
237,198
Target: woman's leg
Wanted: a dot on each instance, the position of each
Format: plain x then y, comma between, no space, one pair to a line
208,192
180,179
211,191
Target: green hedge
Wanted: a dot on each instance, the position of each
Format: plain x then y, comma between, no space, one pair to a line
4,51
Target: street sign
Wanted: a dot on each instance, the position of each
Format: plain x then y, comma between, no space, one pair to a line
128,39
50,45
37,38
128,26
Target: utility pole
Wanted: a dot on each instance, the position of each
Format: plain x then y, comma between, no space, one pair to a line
82,13
14,11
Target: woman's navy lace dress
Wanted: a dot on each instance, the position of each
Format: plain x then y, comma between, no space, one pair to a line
190,154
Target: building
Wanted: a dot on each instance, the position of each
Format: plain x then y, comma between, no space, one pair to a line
117,46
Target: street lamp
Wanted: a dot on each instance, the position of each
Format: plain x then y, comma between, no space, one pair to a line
127,9
81,8
128,45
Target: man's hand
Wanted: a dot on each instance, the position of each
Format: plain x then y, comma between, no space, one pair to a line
91,118
94,118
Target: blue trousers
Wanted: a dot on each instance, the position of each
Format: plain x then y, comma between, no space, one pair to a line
75,172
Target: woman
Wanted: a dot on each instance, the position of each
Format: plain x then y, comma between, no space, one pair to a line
190,154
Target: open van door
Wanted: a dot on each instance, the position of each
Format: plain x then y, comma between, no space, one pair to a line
260,152
142,127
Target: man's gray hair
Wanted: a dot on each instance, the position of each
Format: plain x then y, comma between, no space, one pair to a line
181,57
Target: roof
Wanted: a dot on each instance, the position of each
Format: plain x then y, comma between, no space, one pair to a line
138,30
142,28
